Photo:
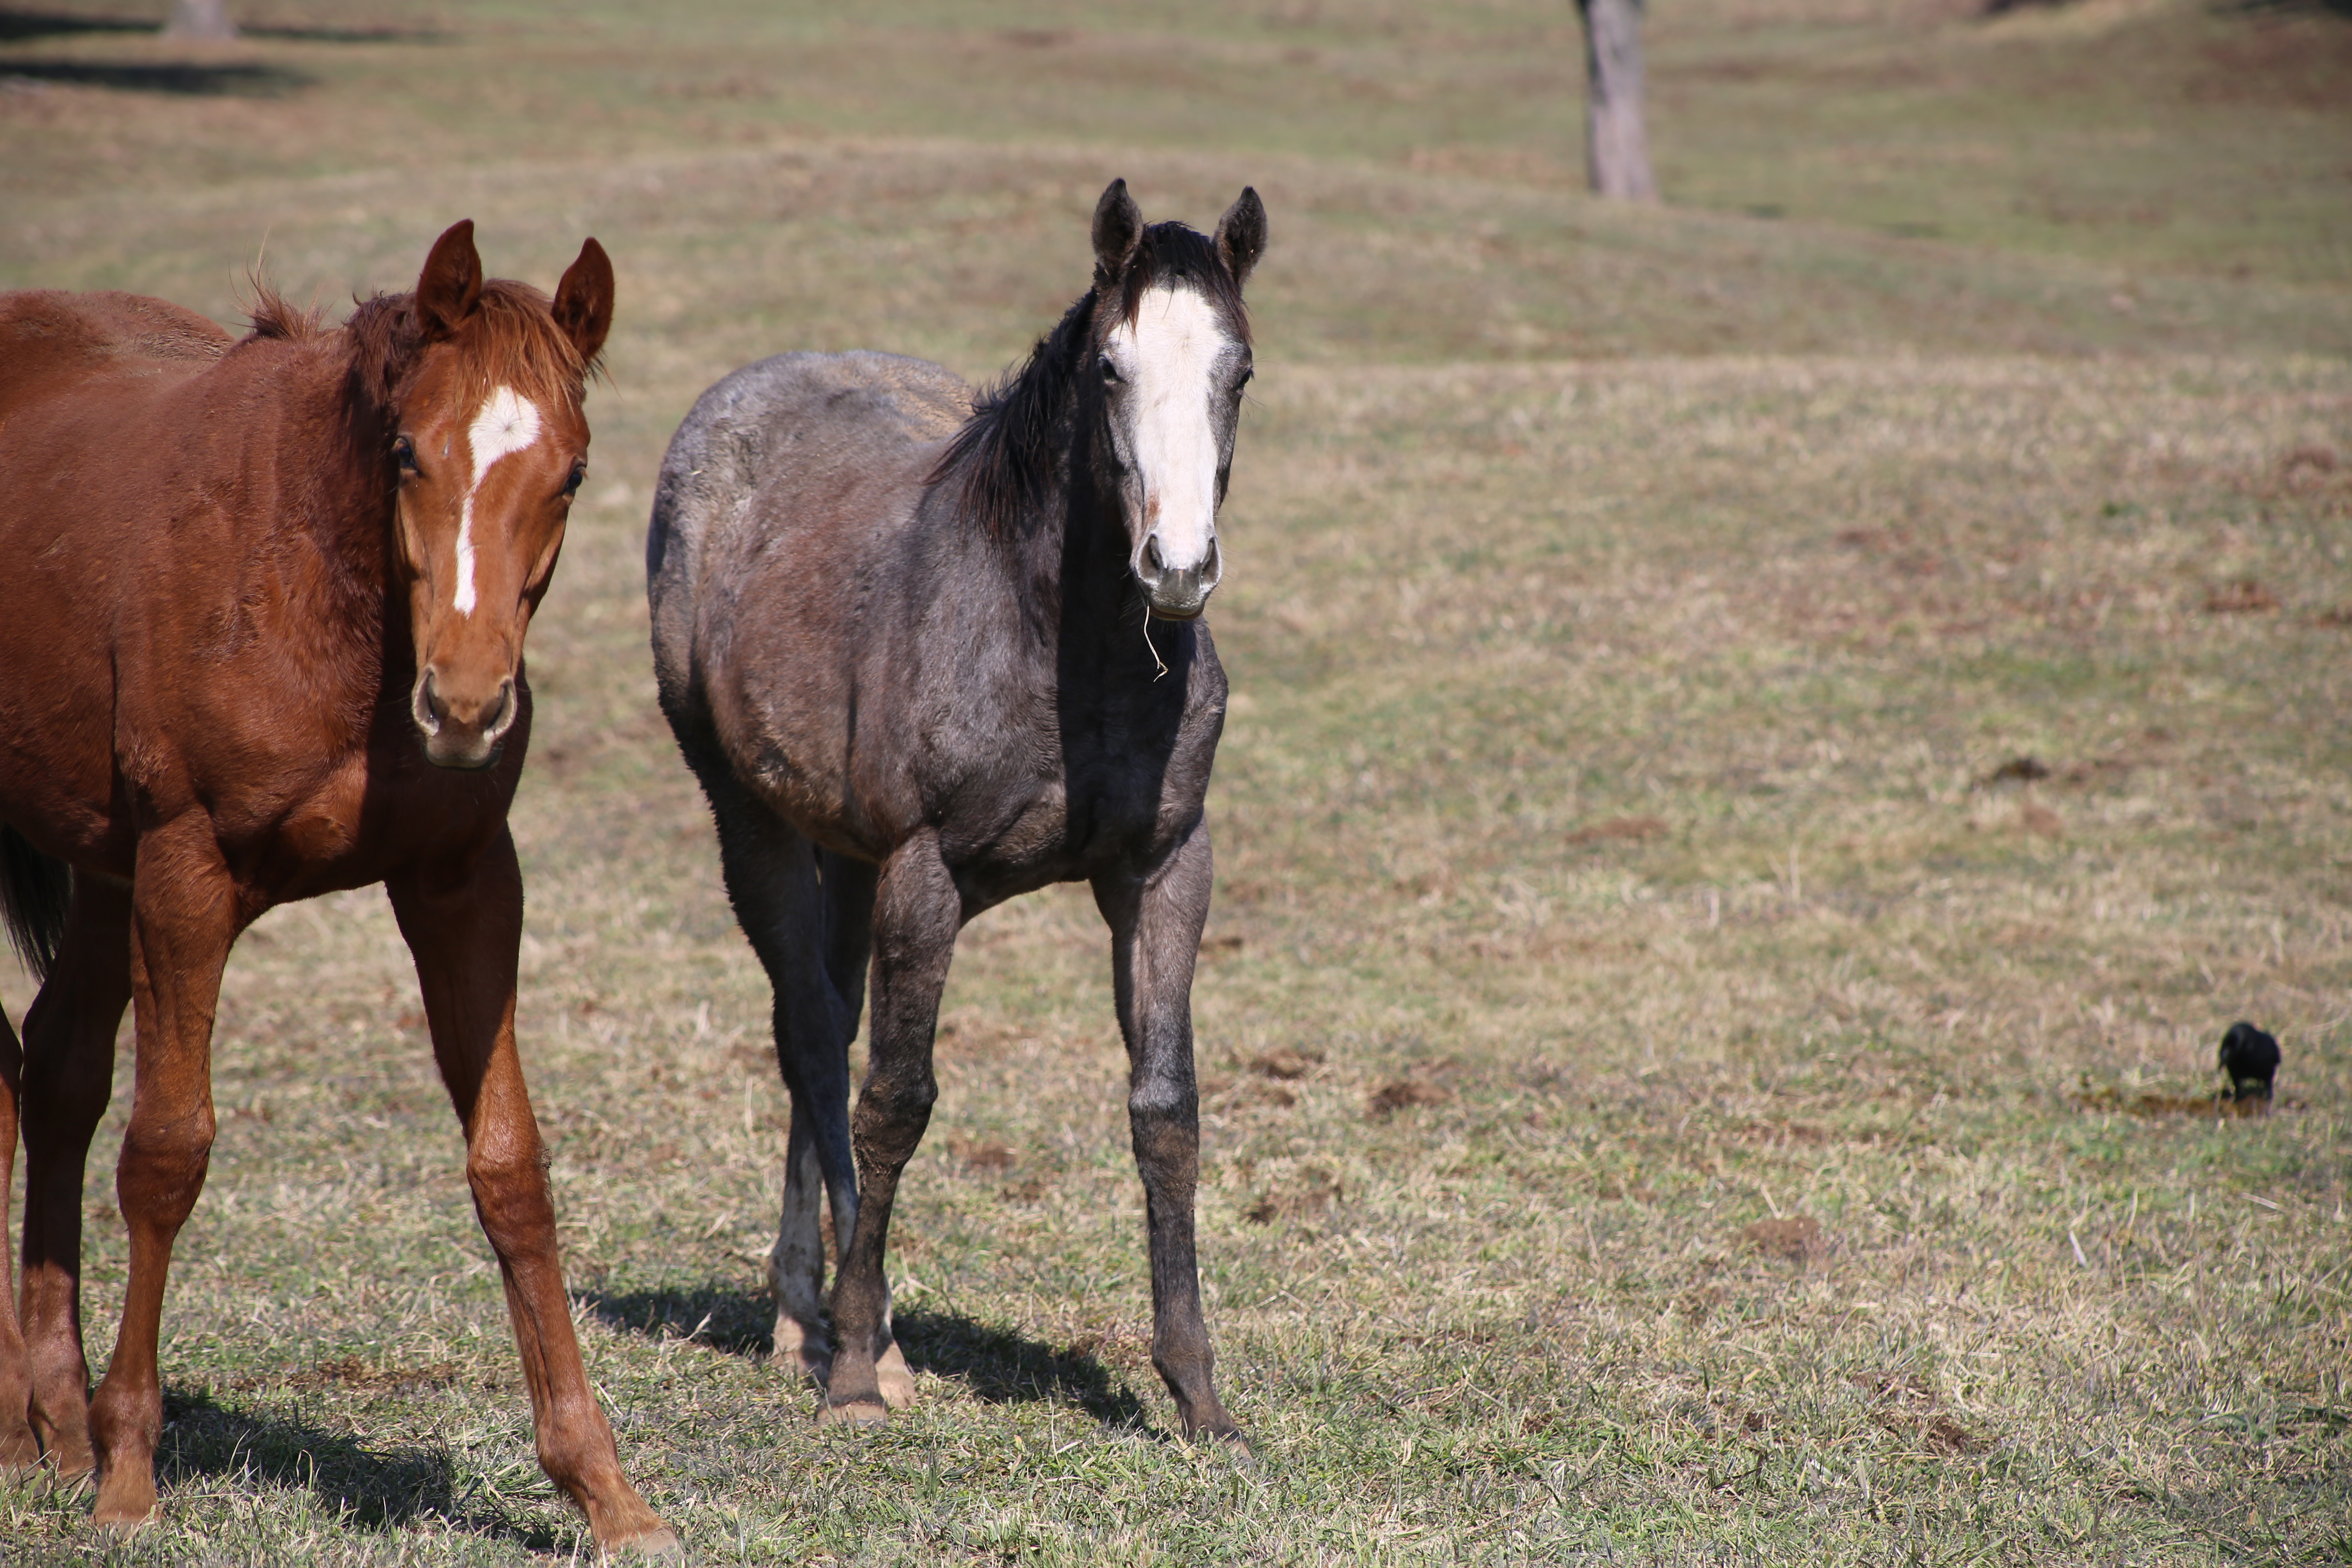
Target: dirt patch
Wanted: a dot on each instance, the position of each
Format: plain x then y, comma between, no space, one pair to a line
2243,597
979,1154
1286,1064
2017,770
1313,1189
1402,1094
2035,817
1914,1414
1229,1090
1617,827
2107,1098
350,1372
1798,1239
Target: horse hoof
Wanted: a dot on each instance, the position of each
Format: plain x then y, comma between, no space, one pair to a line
1226,1437
853,1413
806,1350
123,1520
897,1380
659,1544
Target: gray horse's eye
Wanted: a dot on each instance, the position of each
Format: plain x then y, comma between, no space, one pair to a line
1109,371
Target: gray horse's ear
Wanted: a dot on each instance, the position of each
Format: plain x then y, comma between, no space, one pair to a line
1118,225
1241,233
451,284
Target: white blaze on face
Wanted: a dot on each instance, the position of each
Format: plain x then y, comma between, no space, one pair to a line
1168,355
507,423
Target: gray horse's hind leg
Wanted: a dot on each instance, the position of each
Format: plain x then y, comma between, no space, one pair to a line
791,913
1155,923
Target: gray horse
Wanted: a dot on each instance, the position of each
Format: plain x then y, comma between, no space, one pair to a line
926,651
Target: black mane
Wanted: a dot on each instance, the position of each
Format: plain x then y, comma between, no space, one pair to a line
1010,453
1010,450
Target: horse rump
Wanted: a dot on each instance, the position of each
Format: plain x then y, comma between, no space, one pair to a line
34,891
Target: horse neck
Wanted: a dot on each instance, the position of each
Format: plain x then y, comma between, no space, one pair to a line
329,538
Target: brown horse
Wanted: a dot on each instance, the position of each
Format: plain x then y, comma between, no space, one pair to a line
260,638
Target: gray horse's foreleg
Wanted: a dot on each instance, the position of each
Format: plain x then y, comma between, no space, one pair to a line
849,950
917,912
1155,921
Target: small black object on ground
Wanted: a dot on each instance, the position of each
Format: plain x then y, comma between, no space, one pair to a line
2251,1060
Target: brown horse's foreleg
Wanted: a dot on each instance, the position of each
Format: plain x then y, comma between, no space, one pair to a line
1155,922
917,910
183,917
464,926
68,1075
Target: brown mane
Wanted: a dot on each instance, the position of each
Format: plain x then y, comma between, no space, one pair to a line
512,339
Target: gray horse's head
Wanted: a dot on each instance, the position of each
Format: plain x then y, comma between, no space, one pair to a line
1172,352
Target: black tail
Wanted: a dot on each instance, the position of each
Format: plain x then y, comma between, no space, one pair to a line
34,891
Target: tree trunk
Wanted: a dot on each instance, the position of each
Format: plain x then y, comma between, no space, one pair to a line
1616,148
200,19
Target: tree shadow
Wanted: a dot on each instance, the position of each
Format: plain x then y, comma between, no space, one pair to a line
999,1365
19,24
292,33
380,1489
181,77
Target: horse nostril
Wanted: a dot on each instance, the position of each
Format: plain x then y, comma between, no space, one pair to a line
1212,565
501,709
425,706
1153,563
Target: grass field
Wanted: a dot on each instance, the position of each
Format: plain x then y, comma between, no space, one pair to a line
1772,736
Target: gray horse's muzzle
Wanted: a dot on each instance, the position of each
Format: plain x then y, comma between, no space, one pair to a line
1178,593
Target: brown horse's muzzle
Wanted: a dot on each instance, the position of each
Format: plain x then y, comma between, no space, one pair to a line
461,729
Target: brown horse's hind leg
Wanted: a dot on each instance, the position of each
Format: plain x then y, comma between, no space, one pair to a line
18,1448
68,1075
464,927
917,910
1155,923
183,917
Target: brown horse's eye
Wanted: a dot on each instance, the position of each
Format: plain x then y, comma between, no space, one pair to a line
577,476
403,451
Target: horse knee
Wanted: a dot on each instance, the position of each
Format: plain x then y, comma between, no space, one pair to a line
163,1167
511,1195
891,1117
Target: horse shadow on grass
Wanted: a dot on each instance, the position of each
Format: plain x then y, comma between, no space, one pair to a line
376,1487
998,1365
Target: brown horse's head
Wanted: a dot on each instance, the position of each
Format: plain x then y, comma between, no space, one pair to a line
491,446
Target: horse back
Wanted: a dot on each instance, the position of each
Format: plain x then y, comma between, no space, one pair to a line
775,463
51,339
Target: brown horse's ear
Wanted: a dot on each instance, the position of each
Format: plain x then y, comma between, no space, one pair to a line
451,284
1241,234
583,300
1118,225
